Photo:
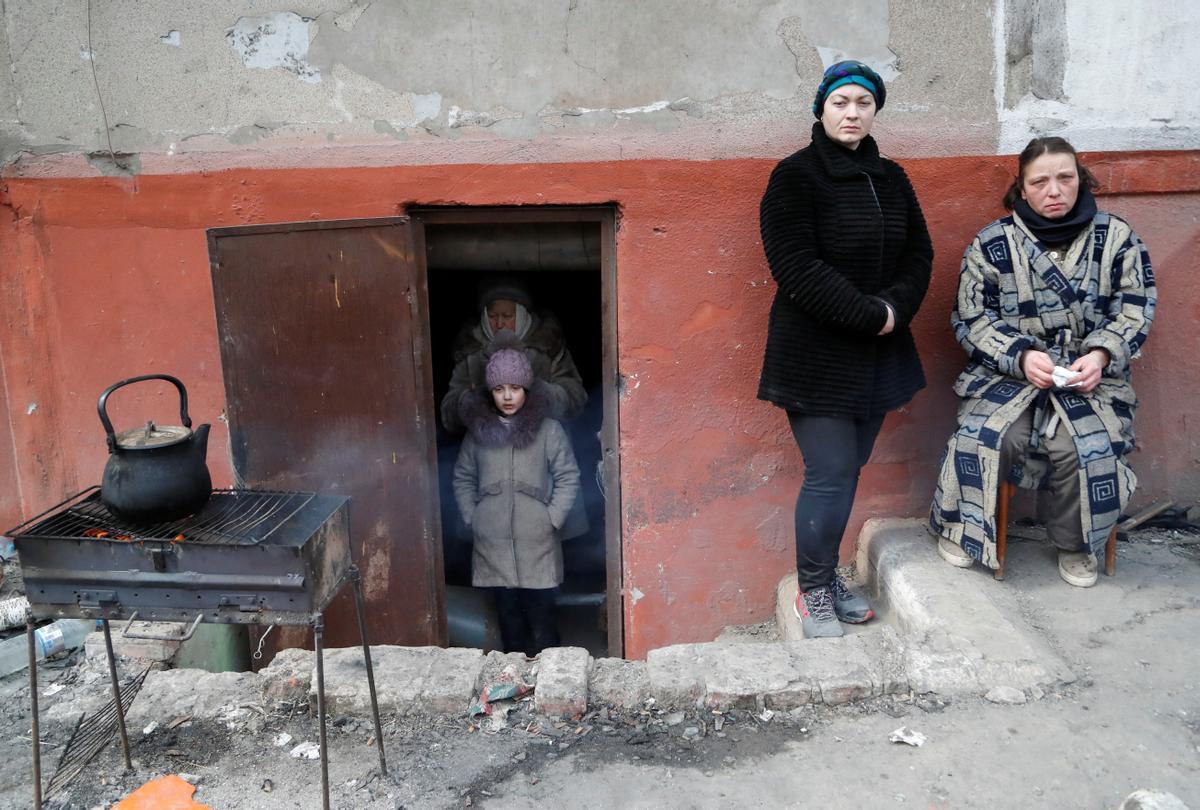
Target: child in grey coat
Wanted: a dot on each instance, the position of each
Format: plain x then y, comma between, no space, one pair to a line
515,481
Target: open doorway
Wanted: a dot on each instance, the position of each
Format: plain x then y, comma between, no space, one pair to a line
564,258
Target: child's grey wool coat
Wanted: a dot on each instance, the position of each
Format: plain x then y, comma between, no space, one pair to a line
515,482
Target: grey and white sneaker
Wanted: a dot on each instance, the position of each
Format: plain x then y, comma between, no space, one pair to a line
816,613
953,553
849,606
1078,568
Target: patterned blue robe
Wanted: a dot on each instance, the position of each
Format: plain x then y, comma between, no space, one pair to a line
1012,296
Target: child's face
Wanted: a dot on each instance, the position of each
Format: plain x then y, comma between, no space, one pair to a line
508,398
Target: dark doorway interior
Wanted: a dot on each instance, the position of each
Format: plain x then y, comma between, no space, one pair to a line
560,263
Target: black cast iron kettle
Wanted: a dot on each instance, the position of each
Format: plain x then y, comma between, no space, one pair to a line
155,473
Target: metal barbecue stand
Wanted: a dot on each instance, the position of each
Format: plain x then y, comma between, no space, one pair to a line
79,561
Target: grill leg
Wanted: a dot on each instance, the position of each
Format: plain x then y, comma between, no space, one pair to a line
356,580
116,685
319,643
33,702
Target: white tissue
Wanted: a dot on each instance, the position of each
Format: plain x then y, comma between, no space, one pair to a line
1062,376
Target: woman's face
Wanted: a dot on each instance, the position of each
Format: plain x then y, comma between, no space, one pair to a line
508,398
502,314
848,114
1051,184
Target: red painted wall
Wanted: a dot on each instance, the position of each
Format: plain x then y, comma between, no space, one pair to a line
104,278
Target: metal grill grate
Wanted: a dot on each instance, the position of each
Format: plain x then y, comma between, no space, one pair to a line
92,733
231,517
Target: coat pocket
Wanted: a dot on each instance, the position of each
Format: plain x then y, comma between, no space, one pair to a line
540,507
537,493
487,491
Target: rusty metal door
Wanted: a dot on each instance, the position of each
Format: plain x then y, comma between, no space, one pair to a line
324,329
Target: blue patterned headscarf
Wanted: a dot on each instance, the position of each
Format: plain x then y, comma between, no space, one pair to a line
849,72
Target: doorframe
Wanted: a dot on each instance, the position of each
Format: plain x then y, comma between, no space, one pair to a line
606,217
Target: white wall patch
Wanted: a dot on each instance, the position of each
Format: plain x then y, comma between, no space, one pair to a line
278,40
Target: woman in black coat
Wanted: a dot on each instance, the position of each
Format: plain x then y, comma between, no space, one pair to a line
848,248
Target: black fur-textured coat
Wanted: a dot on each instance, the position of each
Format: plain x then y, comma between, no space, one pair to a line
843,233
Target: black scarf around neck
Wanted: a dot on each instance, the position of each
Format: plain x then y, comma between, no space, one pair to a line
841,161
1064,229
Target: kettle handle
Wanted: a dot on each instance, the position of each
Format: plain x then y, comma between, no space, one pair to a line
102,404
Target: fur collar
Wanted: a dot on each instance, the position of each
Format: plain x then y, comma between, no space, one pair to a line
483,422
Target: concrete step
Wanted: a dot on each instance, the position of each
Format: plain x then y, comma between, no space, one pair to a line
962,631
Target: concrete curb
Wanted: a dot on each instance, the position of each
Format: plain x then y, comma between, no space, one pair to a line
960,633
780,675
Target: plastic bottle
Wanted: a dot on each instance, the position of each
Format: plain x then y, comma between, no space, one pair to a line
64,634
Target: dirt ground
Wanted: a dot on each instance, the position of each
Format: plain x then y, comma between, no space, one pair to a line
433,762
1132,720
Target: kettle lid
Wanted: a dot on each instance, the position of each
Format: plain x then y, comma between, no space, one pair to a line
152,436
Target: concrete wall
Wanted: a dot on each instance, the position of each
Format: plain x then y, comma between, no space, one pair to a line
107,277
350,82
1104,75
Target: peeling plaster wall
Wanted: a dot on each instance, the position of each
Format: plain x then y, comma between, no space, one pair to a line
1104,75
335,82
227,83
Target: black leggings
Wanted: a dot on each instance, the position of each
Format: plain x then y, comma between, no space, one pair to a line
527,619
834,452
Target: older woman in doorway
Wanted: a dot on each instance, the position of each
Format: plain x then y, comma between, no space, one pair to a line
1054,301
848,248
505,304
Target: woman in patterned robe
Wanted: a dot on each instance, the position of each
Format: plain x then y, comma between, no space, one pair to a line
1054,301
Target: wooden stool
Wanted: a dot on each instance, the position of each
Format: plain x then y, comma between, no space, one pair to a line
1006,492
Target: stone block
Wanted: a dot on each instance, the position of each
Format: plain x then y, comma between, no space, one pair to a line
502,666
408,680
562,681
289,676
618,683
839,688
172,693
676,674
146,650
736,676
841,669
